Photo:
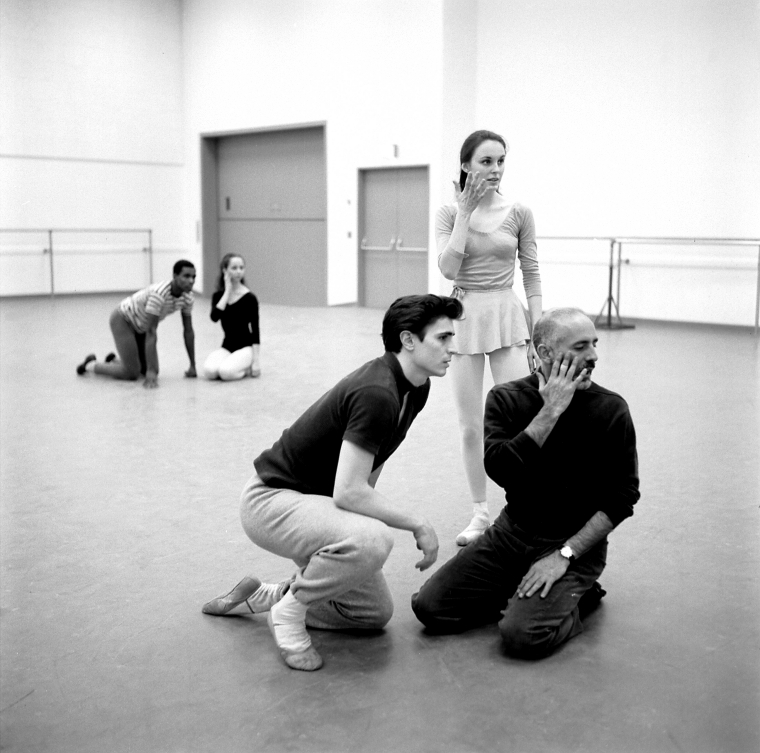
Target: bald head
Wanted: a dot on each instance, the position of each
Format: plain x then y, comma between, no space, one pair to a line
566,331
554,323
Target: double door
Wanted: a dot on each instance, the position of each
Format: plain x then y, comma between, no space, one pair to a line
271,210
393,226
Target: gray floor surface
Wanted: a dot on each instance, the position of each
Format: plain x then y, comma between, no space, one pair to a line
120,519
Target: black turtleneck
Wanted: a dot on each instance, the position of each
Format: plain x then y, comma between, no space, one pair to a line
587,464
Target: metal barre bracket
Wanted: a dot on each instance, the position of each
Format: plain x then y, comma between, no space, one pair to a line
610,302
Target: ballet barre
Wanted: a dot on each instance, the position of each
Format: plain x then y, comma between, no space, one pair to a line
616,261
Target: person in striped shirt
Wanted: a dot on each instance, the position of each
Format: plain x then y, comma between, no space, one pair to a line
134,323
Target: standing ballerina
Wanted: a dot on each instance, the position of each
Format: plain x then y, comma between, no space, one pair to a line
478,238
237,308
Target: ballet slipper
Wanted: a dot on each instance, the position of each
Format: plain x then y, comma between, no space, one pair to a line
257,596
477,525
306,659
83,366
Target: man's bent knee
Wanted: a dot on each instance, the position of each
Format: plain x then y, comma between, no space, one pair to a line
421,607
524,642
375,545
383,614
429,612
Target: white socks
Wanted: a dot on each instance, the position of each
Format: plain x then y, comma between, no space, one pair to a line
480,521
480,509
266,596
289,624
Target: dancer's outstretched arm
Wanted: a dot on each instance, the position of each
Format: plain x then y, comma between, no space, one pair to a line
354,492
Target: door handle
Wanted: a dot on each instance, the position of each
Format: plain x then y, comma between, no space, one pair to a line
363,246
393,244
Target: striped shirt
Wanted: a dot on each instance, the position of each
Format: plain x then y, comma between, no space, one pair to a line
156,299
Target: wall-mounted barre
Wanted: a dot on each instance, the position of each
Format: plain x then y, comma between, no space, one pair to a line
147,249
615,262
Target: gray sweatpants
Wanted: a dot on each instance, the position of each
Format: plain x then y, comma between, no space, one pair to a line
339,554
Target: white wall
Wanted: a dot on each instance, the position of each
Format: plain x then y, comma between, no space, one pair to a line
458,106
632,117
371,70
90,137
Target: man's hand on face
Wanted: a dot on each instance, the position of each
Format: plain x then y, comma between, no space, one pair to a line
558,390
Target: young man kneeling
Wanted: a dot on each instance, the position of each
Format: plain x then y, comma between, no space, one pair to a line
313,499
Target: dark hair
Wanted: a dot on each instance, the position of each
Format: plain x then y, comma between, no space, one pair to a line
223,266
471,143
414,313
181,264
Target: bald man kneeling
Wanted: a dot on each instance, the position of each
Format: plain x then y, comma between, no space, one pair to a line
564,451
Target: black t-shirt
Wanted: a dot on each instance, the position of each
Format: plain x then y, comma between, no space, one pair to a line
363,408
240,321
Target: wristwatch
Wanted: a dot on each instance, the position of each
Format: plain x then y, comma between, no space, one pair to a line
567,553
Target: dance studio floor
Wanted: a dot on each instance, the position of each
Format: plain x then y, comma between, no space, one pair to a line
120,519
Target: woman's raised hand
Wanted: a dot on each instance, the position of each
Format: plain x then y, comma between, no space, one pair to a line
227,280
474,190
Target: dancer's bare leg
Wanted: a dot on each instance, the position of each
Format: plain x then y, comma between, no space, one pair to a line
467,376
508,364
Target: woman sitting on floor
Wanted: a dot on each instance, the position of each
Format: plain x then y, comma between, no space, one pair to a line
238,309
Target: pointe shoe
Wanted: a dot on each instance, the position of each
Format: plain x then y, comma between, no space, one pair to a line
477,525
307,660
257,596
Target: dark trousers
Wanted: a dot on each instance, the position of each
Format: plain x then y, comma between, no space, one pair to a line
478,587
140,337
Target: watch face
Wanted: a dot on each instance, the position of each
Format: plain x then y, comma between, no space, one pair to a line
566,552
